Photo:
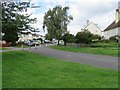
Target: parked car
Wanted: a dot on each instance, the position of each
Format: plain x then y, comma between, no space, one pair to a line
47,41
37,42
30,43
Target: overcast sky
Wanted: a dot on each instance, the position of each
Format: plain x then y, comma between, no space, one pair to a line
100,12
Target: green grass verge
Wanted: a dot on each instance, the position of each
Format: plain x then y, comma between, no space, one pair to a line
22,69
24,46
2,48
102,51
1,71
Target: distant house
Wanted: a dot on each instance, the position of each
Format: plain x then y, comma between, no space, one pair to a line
26,36
93,28
114,28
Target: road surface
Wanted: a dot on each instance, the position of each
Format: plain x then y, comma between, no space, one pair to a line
90,59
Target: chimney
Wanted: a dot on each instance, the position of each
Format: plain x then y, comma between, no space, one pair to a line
117,14
87,22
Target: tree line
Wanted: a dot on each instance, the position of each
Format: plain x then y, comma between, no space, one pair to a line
55,22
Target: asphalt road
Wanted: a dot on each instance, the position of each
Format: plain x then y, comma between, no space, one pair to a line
90,59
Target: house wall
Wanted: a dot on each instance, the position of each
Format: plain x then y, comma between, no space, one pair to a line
25,37
112,32
94,29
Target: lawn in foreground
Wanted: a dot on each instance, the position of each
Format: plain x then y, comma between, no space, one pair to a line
22,69
102,51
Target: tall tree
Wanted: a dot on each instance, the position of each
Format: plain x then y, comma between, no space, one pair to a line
13,22
56,21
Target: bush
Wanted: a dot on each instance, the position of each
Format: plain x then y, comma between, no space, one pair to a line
105,41
11,37
114,38
20,43
97,37
85,37
68,38
104,44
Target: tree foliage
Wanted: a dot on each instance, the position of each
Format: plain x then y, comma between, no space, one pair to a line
97,37
85,37
48,37
68,38
115,38
13,22
56,21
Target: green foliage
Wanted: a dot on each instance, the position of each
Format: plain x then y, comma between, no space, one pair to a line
48,37
11,36
56,21
85,37
105,44
96,37
13,22
114,38
104,41
68,38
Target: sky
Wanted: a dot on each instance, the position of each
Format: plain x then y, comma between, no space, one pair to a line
100,12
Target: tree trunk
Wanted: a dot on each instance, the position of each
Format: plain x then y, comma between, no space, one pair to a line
58,42
64,43
41,41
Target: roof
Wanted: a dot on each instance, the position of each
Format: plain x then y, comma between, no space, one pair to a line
94,25
112,25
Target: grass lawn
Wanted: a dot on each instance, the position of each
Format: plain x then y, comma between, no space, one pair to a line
2,48
99,50
22,69
24,46
0,70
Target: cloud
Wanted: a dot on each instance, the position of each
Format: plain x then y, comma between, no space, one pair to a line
100,12
104,20
39,22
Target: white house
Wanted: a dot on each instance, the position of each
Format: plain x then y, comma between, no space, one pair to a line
26,36
114,28
93,28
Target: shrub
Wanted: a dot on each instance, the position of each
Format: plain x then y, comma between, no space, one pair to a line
104,44
85,37
114,38
68,38
20,43
97,37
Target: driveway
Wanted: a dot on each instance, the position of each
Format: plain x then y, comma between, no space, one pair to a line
90,59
